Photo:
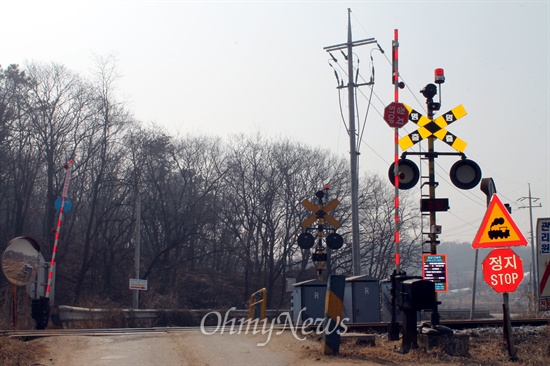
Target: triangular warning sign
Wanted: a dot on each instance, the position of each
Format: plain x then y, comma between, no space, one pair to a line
498,229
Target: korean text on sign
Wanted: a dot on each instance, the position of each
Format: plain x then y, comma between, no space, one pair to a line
496,263
545,237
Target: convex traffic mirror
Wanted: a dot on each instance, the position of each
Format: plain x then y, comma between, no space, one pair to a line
20,260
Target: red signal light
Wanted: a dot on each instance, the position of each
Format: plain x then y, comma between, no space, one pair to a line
439,75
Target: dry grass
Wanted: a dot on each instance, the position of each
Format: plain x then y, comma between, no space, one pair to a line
487,348
17,353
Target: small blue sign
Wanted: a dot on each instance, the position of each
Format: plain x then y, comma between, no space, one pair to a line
67,207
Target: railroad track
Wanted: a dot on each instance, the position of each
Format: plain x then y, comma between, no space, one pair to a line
453,324
352,327
91,332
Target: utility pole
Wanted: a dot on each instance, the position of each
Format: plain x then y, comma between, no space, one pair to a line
137,251
534,268
355,249
356,256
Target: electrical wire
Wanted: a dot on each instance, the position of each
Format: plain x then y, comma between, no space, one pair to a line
472,224
369,98
360,141
339,93
360,137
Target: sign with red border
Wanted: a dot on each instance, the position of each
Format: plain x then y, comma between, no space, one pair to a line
498,229
396,115
503,270
543,262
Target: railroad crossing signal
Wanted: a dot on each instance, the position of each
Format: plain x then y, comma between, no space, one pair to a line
498,229
503,270
427,128
333,240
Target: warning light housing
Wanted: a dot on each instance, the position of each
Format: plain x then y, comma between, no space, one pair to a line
429,91
319,257
306,241
434,204
465,174
439,75
334,241
409,174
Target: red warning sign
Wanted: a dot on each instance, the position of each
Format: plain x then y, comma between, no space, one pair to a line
503,270
498,229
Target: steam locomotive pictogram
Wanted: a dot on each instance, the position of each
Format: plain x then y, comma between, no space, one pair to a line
501,232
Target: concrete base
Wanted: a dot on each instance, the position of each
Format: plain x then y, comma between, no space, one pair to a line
362,339
452,344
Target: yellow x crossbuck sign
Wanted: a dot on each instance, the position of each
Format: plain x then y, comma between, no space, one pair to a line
320,213
427,128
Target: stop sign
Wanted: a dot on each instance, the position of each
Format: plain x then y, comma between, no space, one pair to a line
396,115
503,270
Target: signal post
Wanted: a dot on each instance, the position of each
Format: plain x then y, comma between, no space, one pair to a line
404,173
502,268
320,215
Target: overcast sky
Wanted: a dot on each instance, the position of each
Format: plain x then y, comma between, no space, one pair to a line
220,68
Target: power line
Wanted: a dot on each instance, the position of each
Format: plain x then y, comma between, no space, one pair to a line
534,264
475,199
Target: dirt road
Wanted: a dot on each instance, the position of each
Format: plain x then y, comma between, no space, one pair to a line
189,348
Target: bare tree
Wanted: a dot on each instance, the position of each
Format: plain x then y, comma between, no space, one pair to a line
267,181
220,218
59,107
100,149
377,218
19,160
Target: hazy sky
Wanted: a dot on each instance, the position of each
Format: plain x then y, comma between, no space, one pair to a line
220,68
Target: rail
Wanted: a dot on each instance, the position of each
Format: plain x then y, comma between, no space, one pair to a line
253,310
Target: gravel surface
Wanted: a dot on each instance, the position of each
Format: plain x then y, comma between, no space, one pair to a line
191,348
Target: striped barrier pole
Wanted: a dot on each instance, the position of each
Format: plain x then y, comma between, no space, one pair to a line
334,308
67,167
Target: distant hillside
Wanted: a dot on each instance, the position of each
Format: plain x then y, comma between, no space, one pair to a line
460,270
460,256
